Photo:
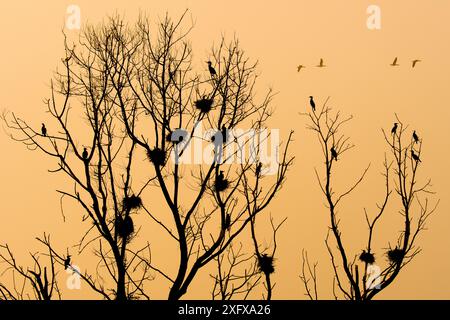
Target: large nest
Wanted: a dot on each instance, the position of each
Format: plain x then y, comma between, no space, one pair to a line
396,255
265,264
157,156
367,257
132,202
204,104
221,184
125,227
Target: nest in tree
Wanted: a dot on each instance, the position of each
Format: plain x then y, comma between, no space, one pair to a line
125,227
395,255
222,184
132,202
204,105
265,264
367,257
157,156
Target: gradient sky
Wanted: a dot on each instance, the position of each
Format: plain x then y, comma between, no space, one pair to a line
280,35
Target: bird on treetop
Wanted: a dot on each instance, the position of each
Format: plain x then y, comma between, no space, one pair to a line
333,153
211,69
394,128
44,130
415,137
415,156
312,103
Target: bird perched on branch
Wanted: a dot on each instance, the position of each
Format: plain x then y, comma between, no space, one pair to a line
321,65
394,63
67,262
334,153
415,137
44,130
258,169
415,156
211,69
85,154
394,128
312,103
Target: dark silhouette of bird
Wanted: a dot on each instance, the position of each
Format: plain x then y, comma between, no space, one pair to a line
414,62
67,262
300,67
415,137
394,128
224,134
312,103
227,222
333,153
44,130
415,156
394,63
211,69
85,154
220,177
258,169
321,65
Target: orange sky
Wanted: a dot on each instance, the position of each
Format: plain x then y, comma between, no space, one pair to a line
280,35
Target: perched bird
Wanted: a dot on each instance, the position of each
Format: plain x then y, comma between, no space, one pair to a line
321,65
312,103
300,67
415,137
85,154
212,71
394,128
224,134
415,156
67,262
394,63
220,177
333,153
258,169
227,223
44,130
414,62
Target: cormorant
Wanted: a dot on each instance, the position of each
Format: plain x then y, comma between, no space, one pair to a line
321,65
415,156
415,137
67,262
394,128
220,177
299,67
212,71
312,103
414,62
258,169
333,153
394,63
85,154
44,130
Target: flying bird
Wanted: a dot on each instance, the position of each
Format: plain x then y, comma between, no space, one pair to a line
333,153
211,69
44,130
415,137
321,65
85,154
67,262
394,63
299,67
414,62
394,128
312,103
415,156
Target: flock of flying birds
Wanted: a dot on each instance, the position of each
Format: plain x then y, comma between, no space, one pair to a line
415,137
393,64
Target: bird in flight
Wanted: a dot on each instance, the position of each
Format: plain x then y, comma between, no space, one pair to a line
211,69
414,62
312,103
333,153
415,137
321,65
394,128
394,63
415,156
44,130
300,67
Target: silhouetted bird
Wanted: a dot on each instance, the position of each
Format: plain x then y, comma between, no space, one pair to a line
394,128
333,153
258,169
220,176
67,262
44,130
414,62
415,137
415,156
212,71
321,65
299,67
312,103
85,154
394,63
227,222
224,134
221,182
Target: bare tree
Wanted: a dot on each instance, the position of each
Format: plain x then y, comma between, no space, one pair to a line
360,278
139,94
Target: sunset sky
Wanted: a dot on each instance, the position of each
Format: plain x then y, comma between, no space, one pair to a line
280,35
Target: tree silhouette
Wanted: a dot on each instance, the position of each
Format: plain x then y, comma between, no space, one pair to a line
360,278
140,97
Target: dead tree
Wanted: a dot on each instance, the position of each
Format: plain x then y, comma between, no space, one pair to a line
359,276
